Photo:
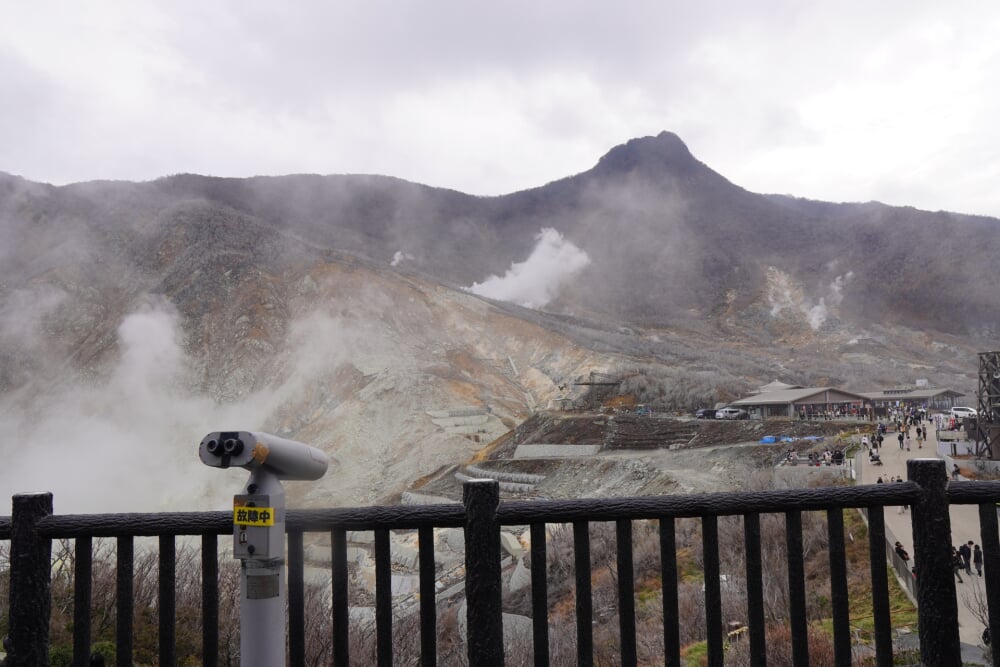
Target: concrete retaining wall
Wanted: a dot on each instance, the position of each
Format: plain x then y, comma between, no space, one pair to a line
413,498
457,422
554,451
504,476
509,487
456,412
468,430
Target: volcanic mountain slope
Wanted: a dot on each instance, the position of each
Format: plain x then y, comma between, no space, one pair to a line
369,365
134,318
669,239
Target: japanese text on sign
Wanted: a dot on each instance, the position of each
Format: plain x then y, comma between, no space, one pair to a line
253,516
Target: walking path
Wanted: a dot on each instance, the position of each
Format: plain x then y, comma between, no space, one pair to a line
964,521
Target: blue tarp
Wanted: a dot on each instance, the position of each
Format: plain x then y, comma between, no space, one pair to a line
769,439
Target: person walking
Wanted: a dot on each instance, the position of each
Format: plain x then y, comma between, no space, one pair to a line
901,552
977,558
902,508
965,551
907,441
957,564
900,436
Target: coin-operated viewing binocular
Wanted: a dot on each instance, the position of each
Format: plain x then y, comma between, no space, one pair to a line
287,459
259,530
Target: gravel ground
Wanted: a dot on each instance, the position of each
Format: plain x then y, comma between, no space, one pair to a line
719,456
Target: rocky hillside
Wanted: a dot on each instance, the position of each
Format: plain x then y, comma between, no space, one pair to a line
136,317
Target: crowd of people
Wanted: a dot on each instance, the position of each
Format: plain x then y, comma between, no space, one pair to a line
914,428
827,457
966,557
963,559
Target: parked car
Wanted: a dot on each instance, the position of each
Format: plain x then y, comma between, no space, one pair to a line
705,413
962,413
731,413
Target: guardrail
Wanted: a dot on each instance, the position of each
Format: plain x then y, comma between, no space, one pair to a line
32,527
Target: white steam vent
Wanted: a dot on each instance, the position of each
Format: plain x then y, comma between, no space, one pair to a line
784,294
536,281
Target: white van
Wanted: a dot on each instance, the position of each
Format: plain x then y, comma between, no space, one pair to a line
962,413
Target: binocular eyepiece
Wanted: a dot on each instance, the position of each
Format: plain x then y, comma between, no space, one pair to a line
224,447
287,459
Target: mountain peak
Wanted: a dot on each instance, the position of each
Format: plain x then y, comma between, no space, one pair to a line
663,153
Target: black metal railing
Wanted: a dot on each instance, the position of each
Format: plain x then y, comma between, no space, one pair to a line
32,528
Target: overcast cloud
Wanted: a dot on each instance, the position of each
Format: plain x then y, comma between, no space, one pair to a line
848,101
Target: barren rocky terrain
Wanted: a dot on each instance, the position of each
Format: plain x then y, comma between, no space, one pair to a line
678,455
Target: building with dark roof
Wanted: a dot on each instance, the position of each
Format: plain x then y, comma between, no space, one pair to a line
904,398
812,402
776,386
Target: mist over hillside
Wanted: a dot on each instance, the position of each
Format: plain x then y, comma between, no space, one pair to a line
352,312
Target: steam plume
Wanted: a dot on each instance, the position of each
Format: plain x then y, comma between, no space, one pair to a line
127,444
536,281
783,295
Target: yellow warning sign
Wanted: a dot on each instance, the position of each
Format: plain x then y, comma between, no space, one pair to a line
253,516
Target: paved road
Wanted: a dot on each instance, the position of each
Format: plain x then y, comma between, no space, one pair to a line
964,522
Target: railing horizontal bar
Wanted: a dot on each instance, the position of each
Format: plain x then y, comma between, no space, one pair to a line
973,493
63,526
706,504
513,513
396,517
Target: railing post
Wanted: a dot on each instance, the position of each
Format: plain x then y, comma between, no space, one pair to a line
167,601
937,604
30,582
880,586
482,572
82,591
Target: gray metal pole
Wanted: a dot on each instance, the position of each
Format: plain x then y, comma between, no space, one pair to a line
259,544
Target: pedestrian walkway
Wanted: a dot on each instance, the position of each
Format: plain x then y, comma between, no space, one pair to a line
964,522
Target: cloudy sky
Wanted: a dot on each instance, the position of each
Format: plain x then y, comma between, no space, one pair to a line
843,101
